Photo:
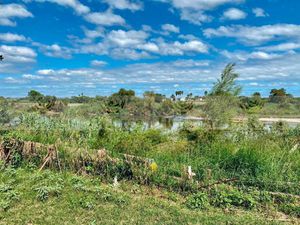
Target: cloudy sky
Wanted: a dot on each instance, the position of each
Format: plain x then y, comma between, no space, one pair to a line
95,47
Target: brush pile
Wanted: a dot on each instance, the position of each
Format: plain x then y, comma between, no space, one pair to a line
14,152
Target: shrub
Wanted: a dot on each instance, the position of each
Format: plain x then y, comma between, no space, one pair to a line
198,201
225,196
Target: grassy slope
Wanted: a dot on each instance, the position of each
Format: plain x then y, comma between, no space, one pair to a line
84,200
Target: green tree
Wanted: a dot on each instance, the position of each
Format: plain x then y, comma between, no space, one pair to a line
250,102
121,98
35,96
279,96
226,85
222,101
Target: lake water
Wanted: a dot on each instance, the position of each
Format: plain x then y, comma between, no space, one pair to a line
173,123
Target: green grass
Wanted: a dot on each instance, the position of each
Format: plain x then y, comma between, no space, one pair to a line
86,200
261,161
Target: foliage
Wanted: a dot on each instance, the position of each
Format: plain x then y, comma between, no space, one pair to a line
279,96
226,84
35,96
4,113
220,110
220,104
199,200
226,196
122,98
100,203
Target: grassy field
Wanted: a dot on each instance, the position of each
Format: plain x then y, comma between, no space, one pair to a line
243,174
31,197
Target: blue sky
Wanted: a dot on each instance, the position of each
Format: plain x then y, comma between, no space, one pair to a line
95,47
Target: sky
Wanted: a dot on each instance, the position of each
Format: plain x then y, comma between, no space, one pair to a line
96,47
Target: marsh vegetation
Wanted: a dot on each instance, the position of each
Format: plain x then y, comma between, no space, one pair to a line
68,155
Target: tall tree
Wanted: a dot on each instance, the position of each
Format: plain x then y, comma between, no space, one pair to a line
222,99
35,96
226,85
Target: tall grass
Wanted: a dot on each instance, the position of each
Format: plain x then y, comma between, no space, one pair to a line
248,152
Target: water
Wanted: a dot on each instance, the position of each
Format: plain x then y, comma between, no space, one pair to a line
175,122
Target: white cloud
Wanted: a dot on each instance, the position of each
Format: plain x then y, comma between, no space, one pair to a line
17,54
127,38
54,50
135,44
46,72
150,47
234,14
128,53
125,4
99,63
194,11
195,16
192,46
32,77
259,12
202,4
12,80
179,48
245,56
17,59
92,34
263,55
78,7
170,28
107,18
282,47
256,35
10,37
10,11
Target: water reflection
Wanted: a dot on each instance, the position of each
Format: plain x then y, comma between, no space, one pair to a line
172,123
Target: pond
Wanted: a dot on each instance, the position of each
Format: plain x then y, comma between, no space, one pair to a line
175,122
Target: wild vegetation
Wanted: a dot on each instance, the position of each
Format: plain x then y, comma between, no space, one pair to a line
69,157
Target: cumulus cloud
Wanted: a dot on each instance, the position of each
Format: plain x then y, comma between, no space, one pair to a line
10,37
255,55
107,18
10,11
234,14
259,12
77,6
195,17
18,54
202,4
125,4
256,35
127,38
282,47
135,44
32,77
170,28
54,50
12,80
194,11
98,63
16,59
